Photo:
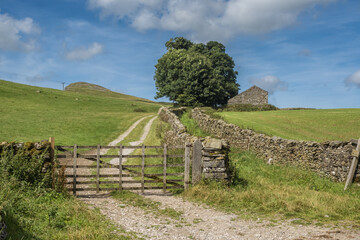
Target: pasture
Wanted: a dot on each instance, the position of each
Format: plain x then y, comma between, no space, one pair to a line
310,125
30,113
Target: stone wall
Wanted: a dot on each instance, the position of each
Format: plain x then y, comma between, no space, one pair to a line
331,158
215,159
253,95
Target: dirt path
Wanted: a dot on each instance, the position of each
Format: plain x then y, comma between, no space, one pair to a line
197,221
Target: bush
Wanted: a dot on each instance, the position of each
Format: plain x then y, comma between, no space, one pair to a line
249,108
29,163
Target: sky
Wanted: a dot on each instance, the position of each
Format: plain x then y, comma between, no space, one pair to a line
306,53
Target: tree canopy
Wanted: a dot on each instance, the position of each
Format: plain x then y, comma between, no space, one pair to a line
195,74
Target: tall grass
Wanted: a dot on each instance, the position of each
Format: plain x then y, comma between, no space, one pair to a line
262,190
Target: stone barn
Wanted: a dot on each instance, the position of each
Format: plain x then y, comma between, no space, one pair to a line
253,95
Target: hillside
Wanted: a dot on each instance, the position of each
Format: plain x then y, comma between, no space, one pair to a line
93,89
312,125
84,116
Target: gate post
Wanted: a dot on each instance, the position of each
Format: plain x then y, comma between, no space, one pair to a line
197,162
187,166
74,170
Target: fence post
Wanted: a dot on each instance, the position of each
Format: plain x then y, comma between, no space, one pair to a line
197,162
97,168
165,159
187,166
120,167
354,164
142,168
52,148
74,170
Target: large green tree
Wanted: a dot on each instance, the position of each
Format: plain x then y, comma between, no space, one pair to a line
195,74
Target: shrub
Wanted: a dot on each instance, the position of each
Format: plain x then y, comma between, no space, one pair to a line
29,163
249,108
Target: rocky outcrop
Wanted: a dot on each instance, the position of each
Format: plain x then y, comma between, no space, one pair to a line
331,158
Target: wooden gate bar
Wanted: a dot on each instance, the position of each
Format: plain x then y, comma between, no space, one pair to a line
142,168
97,168
74,170
120,168
354,164
187,167
164,178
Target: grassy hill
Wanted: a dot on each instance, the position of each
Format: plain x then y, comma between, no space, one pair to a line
312,125
96,90
81,115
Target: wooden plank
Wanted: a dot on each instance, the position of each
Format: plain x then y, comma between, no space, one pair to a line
123,166
126,188
142,168
187,167
125,147
160,174
120,168
352,170
164,170
97,167
124,181
126,156
74,170
104,175
197,160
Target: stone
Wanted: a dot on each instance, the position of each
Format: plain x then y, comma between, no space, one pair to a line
212,143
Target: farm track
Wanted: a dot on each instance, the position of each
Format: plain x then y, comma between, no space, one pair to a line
197,221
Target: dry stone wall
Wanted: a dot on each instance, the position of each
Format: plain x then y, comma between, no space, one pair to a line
331,158
215,161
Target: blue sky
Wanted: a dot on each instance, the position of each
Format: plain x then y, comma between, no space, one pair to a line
306,53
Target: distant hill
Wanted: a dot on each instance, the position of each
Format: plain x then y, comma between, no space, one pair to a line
85,85
93,89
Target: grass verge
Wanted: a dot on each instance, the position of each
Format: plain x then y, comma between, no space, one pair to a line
35,213
270,191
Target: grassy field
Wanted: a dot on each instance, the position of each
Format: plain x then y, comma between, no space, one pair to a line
30,113
311,125
34,213
275,192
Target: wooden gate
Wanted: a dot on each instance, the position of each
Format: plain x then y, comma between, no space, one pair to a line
90,167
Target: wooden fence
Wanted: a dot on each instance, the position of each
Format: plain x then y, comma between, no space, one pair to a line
125,173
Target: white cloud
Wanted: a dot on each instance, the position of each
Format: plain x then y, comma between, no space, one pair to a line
85,53
353,80
207,19
12,32
269,83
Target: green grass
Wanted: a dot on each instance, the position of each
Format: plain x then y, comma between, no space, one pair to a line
85,118
34,213
191,125
276,192
311,125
